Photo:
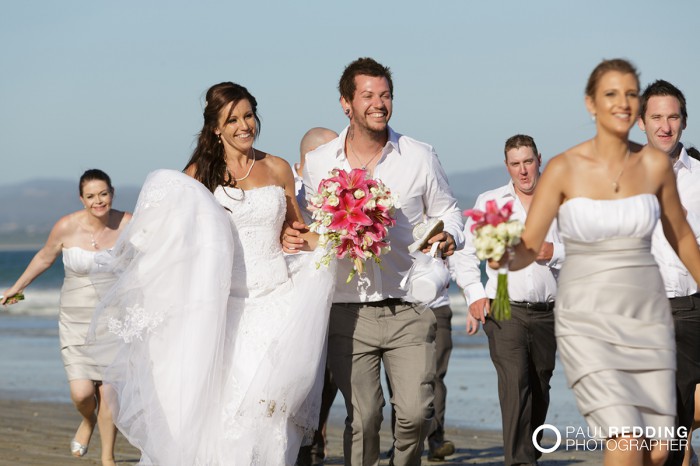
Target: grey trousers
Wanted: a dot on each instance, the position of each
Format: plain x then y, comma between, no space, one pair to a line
523,351
443,350
401,336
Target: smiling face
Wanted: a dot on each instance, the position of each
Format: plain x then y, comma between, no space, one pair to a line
615,104
663,123
96,197
371,105
237,127
524,168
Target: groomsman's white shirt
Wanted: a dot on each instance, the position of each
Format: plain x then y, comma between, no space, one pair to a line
415,177
536,283
677,280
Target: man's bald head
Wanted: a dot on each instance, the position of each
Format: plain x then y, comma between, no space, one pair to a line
312,139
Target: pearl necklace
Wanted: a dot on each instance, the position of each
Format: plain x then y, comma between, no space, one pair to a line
364,165
236,180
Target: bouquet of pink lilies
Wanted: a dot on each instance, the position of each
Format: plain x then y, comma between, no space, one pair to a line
352,213
494,234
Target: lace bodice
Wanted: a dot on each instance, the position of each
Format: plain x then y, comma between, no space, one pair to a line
257,216
585,219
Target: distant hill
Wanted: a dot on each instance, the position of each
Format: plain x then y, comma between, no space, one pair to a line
29,209
467,186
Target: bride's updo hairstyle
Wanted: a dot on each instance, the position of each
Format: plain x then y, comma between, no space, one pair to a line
616,64
94,174
209,157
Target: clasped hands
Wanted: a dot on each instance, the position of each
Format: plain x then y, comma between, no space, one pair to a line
291,239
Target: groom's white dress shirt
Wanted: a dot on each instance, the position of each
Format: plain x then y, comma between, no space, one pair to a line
411,170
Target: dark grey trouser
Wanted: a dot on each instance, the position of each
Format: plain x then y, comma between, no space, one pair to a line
686,320
401,336
443,350
523,350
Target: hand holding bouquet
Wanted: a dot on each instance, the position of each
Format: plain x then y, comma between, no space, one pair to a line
14,299
494,234
352,213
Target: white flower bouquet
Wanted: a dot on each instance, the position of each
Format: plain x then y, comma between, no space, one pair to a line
494,234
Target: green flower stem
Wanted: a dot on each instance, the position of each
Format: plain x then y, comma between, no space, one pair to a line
500,309
15,298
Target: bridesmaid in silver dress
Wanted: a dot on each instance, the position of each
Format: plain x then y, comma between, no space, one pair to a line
613,323
78,236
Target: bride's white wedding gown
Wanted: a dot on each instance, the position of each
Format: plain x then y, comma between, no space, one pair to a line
219,337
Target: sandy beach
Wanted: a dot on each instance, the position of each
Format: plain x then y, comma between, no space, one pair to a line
38,433
38,421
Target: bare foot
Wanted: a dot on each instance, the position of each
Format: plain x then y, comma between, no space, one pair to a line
83,435
108,462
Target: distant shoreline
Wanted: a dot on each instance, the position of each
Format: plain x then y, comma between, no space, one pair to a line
19,247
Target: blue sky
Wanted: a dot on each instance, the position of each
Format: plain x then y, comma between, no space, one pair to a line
120,85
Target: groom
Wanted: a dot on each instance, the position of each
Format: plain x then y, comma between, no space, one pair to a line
370,323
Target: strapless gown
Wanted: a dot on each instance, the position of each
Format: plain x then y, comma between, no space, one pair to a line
612,319
221,336
77,304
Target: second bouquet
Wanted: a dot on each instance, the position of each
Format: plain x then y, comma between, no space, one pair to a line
494,234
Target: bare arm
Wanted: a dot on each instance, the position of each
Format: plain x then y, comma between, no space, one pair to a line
41,261
305,239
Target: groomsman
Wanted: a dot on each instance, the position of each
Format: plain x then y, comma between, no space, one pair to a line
315,453
663,118
523,348
370,322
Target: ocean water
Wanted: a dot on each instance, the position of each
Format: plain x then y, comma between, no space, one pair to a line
41,297
31,366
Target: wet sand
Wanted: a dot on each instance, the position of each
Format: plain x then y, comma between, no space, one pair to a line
37,420
38,434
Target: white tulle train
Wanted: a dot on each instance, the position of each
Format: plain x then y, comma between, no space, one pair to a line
172,333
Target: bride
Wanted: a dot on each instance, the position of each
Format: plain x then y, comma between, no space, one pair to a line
219,337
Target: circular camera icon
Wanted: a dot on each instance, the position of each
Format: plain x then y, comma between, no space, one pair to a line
540,447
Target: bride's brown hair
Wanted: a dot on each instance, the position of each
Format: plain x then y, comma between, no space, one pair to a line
208,157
